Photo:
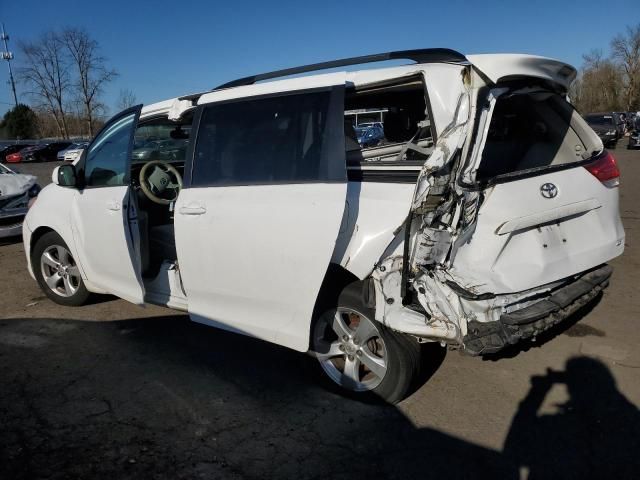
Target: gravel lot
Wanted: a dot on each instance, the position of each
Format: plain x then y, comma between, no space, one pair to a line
112,390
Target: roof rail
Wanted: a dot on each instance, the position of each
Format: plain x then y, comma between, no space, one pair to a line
425,55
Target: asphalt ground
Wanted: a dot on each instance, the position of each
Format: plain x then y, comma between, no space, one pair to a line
111,390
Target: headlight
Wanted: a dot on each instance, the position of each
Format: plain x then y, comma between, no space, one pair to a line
611,132
34,190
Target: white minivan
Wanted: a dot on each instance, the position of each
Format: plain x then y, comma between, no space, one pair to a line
484,216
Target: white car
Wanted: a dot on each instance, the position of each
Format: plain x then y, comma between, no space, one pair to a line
487,216
17,190
72,153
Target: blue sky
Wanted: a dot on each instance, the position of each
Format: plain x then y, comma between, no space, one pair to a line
164,48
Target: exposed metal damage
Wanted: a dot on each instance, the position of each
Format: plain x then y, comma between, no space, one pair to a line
420,292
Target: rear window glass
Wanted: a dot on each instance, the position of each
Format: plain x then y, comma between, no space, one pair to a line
599,120
282,139
529,131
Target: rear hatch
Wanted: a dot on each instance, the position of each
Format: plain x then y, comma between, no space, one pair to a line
548,195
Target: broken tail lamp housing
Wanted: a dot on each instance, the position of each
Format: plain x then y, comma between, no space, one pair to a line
605,168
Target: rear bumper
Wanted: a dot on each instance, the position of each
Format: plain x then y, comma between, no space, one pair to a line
490,337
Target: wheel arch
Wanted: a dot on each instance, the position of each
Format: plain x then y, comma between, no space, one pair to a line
334,282
67,237
37,234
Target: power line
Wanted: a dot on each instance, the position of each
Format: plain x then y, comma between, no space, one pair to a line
8,56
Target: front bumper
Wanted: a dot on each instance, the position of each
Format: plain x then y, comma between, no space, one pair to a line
608,138
11,223
489,337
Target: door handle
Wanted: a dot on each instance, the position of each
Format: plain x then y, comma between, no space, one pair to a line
192,210
113,205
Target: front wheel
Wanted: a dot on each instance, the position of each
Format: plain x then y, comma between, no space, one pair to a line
362,356
56,271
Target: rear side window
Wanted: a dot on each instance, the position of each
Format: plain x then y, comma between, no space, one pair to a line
277,139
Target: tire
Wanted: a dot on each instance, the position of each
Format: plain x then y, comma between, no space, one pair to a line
57,272
395,357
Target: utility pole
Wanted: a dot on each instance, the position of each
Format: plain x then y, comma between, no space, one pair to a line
8,56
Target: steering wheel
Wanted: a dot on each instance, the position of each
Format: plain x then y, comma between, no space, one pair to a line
156,182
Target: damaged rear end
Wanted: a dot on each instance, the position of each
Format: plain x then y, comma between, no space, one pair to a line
514,213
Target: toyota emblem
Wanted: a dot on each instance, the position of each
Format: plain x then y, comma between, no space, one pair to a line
548,190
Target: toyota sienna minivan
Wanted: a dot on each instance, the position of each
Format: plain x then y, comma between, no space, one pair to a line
485,215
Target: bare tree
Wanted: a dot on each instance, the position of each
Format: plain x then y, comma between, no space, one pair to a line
126,99
46,73
91,70
599,85
625,48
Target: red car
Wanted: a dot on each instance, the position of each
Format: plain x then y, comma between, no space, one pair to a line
13,148
13,158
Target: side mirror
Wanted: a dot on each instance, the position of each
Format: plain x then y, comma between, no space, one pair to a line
65,176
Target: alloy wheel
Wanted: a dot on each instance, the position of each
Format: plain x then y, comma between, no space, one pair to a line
59,271
350,349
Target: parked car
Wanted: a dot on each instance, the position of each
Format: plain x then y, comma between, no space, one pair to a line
16,191
489,219
72,152
16,157
160,150
620,120
369,136
371,124
634,135
604,124
10,149
44,152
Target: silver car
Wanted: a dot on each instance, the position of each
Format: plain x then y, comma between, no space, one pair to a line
16,191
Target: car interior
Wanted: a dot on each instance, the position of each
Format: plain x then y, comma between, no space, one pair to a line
404,105
530,131
157,166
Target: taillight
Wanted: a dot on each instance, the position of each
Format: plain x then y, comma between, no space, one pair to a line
605,169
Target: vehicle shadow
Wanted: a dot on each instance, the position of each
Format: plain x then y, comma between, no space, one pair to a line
163,397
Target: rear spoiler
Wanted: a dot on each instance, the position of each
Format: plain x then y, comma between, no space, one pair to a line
511,66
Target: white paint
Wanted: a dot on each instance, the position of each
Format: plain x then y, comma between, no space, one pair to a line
375,210
106,235
254,260
518,260
499,66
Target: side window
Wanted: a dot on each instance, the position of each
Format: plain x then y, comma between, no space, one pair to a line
279,139
106,161
379,120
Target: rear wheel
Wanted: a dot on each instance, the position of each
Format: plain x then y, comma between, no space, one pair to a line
56,271
360,355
